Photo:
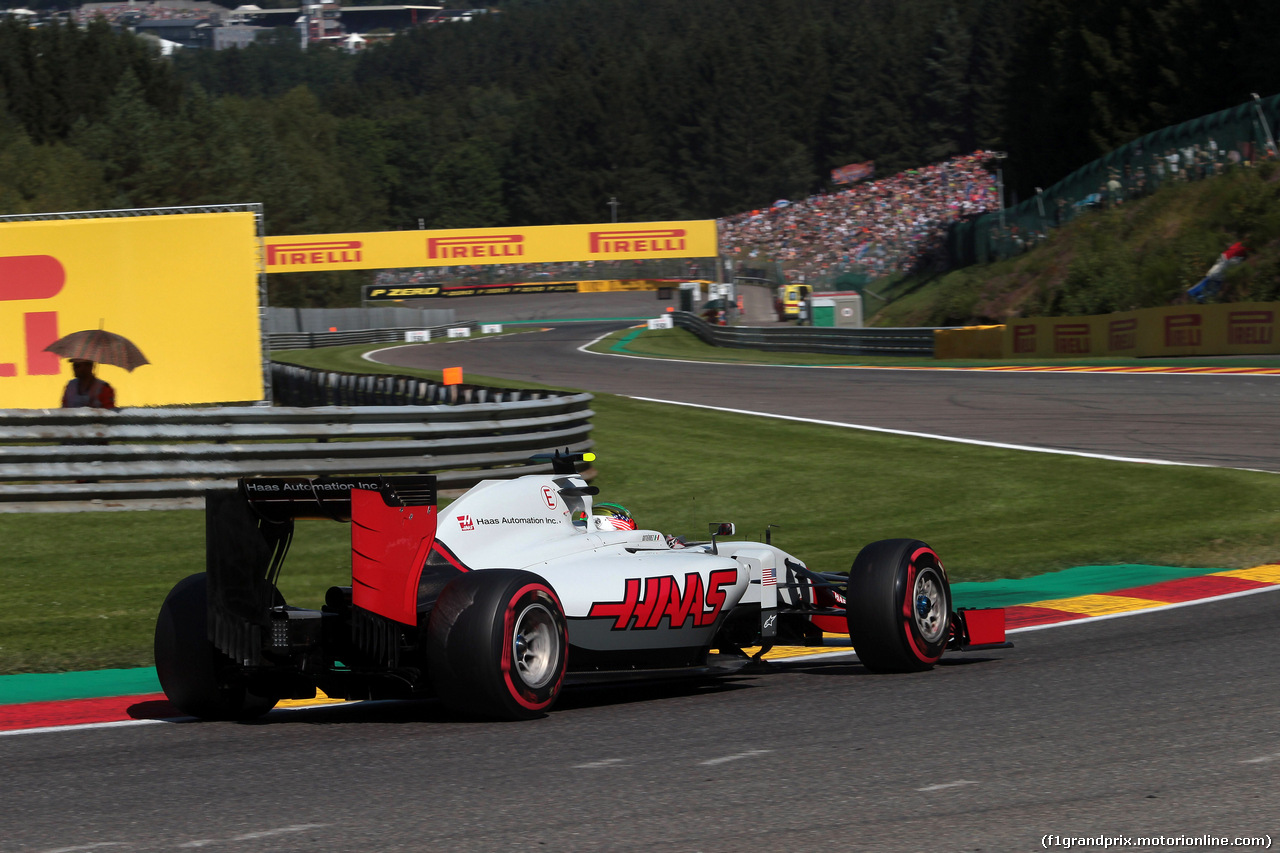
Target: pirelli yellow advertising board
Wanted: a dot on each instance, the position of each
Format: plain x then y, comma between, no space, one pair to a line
183,287
476,246
1230,329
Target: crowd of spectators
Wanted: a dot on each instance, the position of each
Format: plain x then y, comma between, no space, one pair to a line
1149,170
875,228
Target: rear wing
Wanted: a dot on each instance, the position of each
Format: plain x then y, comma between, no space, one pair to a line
248,532
279,499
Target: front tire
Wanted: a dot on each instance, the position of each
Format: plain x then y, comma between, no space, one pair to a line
899,606
497,644
197,678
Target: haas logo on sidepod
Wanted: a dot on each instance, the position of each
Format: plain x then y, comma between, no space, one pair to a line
663,597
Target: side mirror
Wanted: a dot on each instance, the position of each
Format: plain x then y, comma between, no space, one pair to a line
719,528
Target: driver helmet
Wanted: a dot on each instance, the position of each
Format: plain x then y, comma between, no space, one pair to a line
607,516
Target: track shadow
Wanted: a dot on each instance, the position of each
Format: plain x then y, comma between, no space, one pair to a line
153,709
402,711
605,695
847,668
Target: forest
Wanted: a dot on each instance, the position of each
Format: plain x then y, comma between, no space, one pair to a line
542,111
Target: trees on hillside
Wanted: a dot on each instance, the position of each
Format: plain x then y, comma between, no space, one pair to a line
543,112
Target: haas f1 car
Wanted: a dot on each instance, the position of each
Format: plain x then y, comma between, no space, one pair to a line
520,587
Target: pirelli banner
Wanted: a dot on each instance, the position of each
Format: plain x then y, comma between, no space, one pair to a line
478,246
1231,329
182,285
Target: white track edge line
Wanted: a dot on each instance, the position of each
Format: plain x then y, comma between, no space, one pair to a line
953,439
972,370
115,724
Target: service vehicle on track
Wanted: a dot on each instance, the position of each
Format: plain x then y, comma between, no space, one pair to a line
520,587
787,300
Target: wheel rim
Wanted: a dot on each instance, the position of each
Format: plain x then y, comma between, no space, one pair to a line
535,646
929,605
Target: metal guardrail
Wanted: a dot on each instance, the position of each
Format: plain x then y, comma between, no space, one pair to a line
144,458
312,340
861,341
303,386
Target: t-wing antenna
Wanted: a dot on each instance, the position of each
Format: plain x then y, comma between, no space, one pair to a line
563,462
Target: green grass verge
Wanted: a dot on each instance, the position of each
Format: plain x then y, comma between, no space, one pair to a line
681,344
82,590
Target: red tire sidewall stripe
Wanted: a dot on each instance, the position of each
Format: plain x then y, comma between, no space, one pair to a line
508,634
908,604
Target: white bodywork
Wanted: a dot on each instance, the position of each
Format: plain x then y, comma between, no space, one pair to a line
621,590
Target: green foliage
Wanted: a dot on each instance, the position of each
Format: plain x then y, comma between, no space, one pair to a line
544,111
956,301
1142,254
40,178
55,76
1090,75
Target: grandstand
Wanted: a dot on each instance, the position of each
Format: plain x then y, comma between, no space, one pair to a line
870,230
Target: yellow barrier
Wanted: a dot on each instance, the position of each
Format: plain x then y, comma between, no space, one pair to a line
1230,329
183,287
969,342
1242,328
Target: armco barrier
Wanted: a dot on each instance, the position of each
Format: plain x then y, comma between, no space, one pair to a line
75,459
312,340
303,386
900,342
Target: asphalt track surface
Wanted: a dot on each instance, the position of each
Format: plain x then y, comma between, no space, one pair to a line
1205,419
1161,723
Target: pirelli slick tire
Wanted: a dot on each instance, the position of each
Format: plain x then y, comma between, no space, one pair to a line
196,677
497,644
899,606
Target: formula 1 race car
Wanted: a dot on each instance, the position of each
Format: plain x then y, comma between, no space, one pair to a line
521,587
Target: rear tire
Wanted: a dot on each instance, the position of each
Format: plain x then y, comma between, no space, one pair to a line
197,678
497,644
899,606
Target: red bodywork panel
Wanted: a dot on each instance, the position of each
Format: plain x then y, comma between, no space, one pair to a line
389,545
830,624
985,626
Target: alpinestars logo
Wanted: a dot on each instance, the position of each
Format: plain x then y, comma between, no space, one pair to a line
663,597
